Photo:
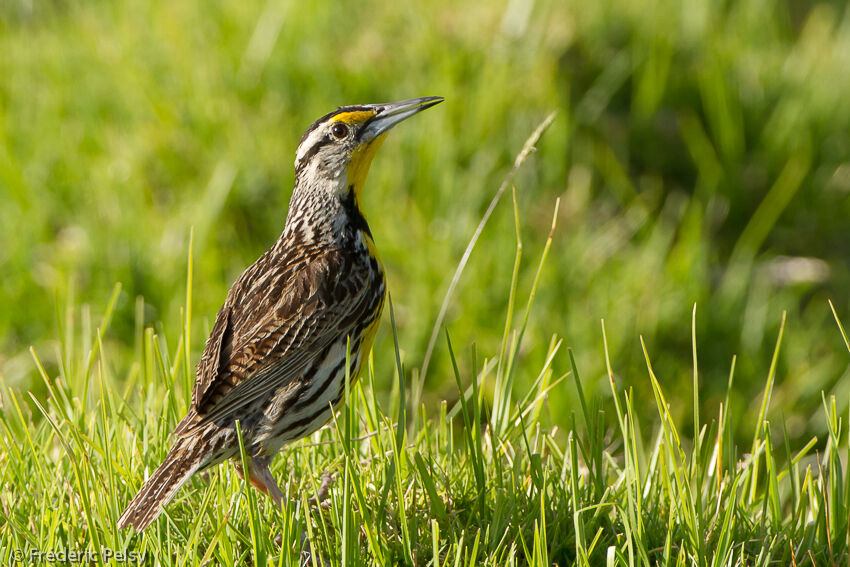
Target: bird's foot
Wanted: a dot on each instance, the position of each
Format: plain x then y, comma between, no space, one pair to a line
321,498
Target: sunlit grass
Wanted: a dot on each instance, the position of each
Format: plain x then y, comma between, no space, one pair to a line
698,157
474,485
482,481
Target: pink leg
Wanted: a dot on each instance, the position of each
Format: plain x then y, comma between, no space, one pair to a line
260,477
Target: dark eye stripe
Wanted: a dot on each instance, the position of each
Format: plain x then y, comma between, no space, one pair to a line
327,139
315,125
324,141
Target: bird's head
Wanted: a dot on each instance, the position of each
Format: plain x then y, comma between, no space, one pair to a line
338,148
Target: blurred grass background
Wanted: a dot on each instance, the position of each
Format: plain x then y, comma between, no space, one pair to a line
701,154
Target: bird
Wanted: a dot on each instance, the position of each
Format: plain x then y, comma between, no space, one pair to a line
276,356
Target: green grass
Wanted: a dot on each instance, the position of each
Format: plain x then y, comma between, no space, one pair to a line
699,153
699,156
477,484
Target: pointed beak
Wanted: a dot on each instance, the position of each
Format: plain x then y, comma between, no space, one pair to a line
391,113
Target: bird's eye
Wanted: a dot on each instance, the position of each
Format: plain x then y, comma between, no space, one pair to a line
339,131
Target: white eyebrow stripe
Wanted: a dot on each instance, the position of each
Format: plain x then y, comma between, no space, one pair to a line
314,137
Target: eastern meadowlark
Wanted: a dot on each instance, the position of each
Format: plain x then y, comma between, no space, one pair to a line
275,359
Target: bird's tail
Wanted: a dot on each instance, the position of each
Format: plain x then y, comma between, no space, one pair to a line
184,459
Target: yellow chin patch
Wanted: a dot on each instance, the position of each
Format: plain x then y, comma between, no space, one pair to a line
361,159
354,117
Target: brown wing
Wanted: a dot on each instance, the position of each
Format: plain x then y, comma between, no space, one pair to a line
277,318
208,367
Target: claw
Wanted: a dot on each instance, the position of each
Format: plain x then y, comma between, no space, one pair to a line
321,498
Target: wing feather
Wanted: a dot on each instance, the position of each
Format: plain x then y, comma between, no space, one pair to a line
211,360
278,317
281,370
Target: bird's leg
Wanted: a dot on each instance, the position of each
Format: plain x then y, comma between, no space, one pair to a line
260,477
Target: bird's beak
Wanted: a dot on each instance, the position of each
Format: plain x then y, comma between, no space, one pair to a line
389,114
